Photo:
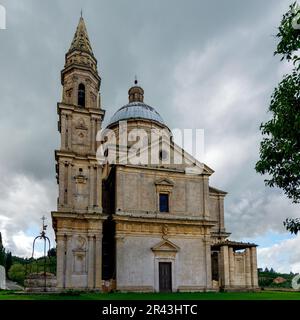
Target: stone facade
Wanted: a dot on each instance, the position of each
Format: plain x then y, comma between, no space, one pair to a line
2,278
132,226
78,219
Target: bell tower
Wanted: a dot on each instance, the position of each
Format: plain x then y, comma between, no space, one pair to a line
78,220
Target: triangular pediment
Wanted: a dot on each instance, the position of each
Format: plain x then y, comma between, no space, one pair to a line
164,182
192,166
166,246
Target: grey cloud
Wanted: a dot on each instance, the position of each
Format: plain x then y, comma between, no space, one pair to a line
155,40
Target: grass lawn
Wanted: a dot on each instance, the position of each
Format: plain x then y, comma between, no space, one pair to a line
263,295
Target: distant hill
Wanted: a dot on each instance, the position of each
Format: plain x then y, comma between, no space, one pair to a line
272,279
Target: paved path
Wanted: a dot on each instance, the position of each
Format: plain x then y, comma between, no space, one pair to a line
10,285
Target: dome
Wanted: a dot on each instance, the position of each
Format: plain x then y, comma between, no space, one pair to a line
136,110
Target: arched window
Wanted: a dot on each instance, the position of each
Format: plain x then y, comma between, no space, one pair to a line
81,95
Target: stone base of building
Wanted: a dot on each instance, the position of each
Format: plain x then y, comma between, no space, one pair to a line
78,290
135,289
40,282
195,289
145,289
240,289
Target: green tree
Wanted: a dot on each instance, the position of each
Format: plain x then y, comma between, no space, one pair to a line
17,273
52,252
280,147
293,225
8,262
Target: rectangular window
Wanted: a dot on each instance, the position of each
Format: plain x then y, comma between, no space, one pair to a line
163,202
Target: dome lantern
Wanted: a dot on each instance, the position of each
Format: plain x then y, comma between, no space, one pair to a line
136,109
136,93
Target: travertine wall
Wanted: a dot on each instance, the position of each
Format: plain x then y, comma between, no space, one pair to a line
79,252
137,264
79,187
137,192
71,82
216,211
142,245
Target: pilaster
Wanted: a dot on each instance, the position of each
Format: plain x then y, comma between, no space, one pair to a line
254,276
231,266
224,266
248,267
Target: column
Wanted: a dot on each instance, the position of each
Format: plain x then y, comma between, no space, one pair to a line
98,261
69,132
98,187
70,192
119,238
91,193
206,242
97,127
221,212
224,266
205,197
60,269
61,182
63,131
248,267
231,266
93,136
254,275
68,262
91,250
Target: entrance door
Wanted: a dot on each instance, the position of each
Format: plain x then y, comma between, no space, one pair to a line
165,276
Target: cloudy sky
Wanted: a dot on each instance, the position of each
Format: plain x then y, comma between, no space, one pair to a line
203,64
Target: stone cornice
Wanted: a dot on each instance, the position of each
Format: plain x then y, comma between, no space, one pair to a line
78,66
71,155
218,192
159,168
70,108
162,218
76,216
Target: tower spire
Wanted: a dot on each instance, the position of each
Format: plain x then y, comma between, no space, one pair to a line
81,40
80,54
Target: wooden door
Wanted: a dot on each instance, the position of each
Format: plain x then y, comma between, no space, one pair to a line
165,276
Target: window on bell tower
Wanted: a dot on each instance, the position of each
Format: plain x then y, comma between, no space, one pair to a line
81,95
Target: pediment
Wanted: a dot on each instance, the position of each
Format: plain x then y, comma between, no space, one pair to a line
166,246
164,182
191,164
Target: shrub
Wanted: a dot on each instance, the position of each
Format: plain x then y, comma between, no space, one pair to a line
17,273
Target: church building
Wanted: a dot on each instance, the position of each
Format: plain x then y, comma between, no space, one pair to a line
132,225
